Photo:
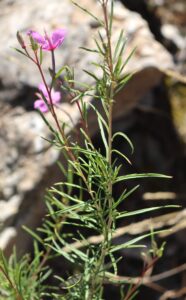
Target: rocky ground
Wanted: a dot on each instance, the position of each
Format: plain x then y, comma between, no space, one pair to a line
151,110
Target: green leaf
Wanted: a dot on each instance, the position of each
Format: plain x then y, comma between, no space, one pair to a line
100,50
65,195
33,234
142,175
62,168
122,83
61,71
71,185
100,117
122,134
120,44
3,262
84,85
102,132
47,123
89,13
144,210
114,263
128,58
19,51
132,243
60,251
118,66
122,155
125,195
70,248
89,50
92,75
71,281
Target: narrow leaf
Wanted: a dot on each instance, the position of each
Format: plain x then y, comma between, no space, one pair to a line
144,210
125,138
142,175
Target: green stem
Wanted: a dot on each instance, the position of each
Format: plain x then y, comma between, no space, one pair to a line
107,227
53,63
110,113
53,70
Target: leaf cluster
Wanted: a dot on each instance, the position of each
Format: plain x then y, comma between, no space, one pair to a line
22,279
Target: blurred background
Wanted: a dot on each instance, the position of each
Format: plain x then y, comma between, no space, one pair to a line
151,110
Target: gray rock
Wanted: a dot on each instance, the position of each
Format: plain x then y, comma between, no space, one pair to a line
9,208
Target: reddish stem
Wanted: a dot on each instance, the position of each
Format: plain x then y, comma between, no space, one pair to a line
136,286
52,110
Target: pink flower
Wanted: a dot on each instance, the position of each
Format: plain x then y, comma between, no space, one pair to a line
40,103
48,43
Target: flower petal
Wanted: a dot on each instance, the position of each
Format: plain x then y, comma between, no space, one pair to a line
43,89
58,37
40,105
56,96
47,45
37,37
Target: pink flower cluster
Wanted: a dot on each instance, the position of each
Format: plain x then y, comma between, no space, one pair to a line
40,103
48,43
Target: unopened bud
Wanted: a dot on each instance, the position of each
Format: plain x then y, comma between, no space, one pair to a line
20,40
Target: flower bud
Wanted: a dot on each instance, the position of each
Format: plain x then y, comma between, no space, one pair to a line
20,40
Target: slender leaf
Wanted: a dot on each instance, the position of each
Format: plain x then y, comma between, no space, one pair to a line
142,175
144,210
